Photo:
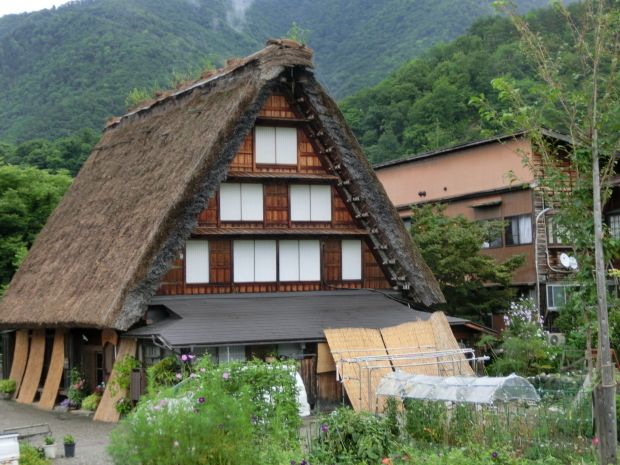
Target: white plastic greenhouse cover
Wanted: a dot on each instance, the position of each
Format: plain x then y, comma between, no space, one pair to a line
485,390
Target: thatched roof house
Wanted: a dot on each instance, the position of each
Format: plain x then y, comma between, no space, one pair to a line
104,250
247,182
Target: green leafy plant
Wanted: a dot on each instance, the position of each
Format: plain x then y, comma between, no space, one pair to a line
29,455
8,386
122,379
123,405
162,374
48,440
91,402
523,348
346,436
68,439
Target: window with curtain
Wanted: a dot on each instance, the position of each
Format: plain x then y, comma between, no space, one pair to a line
519,230
276,145
241,202
196,262
311,202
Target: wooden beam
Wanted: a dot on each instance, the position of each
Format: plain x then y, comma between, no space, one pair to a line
54,374
106,411
30,384
20,358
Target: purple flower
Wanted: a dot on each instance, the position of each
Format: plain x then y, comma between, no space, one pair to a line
179,375
201,399
293,462
439,454
225,375
191,356
156,407
303,462
494,455
184,357
196,410
163,402
203,369
324,427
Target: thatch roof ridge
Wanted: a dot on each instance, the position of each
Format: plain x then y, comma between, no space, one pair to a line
230,65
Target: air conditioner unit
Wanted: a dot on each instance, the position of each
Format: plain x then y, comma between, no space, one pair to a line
556,339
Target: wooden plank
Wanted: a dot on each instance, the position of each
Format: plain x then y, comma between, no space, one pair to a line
106,411
325,363
54,374
20,358
36,355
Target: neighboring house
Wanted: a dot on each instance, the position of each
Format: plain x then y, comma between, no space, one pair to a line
487,180
234,215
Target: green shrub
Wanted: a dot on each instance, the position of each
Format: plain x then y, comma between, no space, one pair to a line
68,439
8,385
29,455
91,402
229,414
346,436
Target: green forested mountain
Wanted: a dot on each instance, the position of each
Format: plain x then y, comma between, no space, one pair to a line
423,105
71,67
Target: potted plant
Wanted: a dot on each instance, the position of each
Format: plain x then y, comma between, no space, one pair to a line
7,386
49,447
69,442
270,355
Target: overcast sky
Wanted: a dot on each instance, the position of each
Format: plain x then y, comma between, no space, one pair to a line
19,6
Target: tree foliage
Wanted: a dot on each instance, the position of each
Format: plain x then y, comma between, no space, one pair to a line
578,92
71,67
27,197
451,248
66,154
424,104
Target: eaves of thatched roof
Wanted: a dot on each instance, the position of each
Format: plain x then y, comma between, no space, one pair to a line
106,248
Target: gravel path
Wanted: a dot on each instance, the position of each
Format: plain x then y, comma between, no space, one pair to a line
91,437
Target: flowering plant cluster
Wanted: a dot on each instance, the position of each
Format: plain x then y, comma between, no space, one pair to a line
78,389
523,348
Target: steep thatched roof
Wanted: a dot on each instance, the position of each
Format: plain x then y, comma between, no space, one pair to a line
106,248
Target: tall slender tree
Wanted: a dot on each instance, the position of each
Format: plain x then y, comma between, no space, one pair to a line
579,95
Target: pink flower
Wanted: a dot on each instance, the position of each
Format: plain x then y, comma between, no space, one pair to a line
163,402
191,356
176,443
595,441
156,407
179,375
225,375
184,357
203,369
